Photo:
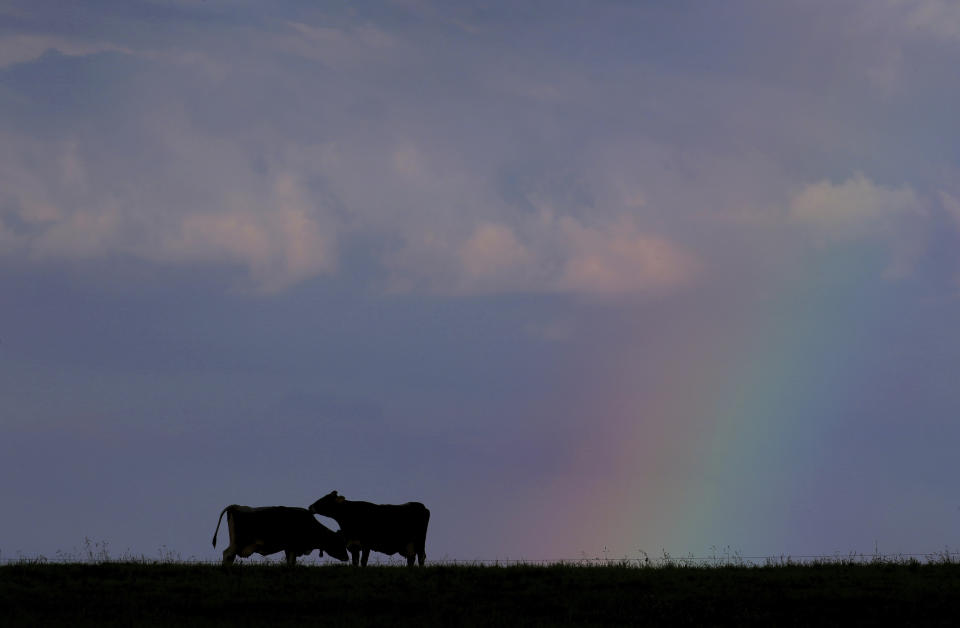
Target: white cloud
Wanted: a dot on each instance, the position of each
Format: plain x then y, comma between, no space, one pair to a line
408,161
952,204
493,251
9,242
339,48
940,18
888,32
853,209
439,173
279,245
559,255
56,205
637,200
618,259
557,330
859,210
16,49
79,235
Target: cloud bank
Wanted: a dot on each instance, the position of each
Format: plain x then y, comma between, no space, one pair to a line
283,145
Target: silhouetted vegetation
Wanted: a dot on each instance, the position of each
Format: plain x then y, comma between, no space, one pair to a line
132,593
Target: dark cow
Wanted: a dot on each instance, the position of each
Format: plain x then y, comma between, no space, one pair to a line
272,529
383,528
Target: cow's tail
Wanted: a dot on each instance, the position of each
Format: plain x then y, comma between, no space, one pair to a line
423,539
218,524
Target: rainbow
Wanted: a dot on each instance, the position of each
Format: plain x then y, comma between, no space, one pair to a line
716,446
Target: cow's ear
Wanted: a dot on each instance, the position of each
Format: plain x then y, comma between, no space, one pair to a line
334,493
341,499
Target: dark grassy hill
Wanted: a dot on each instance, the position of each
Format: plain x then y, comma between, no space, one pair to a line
136,594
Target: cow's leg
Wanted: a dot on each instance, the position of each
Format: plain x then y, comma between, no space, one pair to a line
410,554
355,555
230,554
366,555
421,556
291,557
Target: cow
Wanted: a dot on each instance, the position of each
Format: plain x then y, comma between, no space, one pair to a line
272,529
385,528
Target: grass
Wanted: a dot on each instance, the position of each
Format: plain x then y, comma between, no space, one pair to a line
840,592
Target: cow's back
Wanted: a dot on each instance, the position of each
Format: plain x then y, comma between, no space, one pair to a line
268,524
388,528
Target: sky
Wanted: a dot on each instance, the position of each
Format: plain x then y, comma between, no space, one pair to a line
588,279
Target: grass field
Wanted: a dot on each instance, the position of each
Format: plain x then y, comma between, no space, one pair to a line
136,594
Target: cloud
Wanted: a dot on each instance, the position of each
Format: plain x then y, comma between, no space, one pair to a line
553,255
493,251
952,204
408,161
15,49
861,211
79,235
280,245
557,330
890,31
458,170
339,48
854,209
58,205
618,259
940,18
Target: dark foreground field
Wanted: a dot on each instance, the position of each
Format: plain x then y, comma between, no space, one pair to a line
133,594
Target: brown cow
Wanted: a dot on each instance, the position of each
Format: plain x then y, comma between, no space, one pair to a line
384,528
272,529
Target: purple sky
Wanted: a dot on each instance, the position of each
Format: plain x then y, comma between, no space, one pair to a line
581,277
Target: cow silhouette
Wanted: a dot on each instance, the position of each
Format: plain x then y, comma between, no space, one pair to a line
385,528
271,529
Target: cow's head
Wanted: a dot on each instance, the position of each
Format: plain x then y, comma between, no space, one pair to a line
327,504
338,547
